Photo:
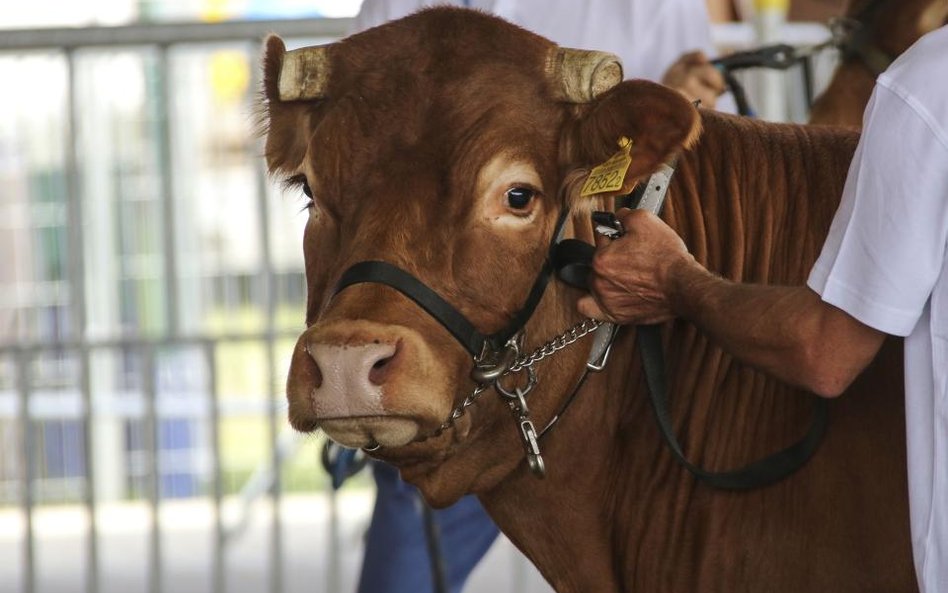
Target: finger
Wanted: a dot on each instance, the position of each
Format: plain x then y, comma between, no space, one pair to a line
697,89
630,217
708,100
711,77
707,96
694,58
625,215
588,307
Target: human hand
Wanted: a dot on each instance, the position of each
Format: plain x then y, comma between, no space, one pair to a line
633,277
694,76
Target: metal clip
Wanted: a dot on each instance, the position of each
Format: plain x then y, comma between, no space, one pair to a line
653,197
528,434
490,366
607,225
602,341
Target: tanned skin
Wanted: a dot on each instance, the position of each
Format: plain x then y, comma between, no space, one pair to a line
694,76
648,276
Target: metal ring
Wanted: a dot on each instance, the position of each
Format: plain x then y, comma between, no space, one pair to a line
488,372
518,392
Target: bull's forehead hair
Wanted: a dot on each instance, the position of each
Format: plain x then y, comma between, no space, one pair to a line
443,68
440,92
443,43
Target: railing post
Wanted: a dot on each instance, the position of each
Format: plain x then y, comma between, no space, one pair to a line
28,584
166,166
152,441
77,295
217,567
770,18
267,279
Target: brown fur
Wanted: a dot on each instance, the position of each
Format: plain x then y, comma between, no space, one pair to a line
893,28
414,110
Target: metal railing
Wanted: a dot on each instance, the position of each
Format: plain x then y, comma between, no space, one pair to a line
160,38
167,34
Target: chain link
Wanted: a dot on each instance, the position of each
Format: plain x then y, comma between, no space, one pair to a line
571,335
577,332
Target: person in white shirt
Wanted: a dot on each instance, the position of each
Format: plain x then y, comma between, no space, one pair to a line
666,41
883,270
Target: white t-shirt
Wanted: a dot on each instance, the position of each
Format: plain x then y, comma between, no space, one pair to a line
885,262
647,36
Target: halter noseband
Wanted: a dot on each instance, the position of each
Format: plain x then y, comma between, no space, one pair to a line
478,344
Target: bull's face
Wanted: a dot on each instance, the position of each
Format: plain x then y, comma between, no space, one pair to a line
440,144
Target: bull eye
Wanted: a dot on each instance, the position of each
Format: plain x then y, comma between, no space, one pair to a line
310,202
519,198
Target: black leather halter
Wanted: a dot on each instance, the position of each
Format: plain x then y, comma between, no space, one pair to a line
472,339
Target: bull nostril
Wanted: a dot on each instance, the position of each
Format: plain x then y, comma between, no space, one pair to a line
312,370
354,368
381,368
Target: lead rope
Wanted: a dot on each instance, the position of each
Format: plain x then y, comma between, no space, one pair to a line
760,473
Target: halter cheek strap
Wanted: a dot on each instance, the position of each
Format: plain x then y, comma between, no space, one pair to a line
447,315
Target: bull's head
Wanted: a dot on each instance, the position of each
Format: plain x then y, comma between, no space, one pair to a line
443,144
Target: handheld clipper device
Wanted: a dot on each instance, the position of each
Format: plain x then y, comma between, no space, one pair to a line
646,196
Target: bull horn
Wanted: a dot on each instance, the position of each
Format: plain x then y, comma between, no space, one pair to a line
579,75
305,73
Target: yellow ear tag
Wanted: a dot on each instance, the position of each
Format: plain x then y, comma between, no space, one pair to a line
610,175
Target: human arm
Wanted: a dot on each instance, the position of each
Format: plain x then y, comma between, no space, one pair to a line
648,276
696,78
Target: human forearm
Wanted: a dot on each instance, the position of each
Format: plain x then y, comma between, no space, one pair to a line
648,276
786,331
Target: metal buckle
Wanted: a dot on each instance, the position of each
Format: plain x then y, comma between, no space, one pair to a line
490,366
602,341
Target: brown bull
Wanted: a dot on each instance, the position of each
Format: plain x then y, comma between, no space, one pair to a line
880,31
447,144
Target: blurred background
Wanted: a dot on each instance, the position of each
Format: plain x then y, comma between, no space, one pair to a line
151,290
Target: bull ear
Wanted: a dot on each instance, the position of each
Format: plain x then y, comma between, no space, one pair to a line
283,122
273,51
659,121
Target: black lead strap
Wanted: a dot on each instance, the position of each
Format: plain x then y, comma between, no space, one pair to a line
760,473
763,472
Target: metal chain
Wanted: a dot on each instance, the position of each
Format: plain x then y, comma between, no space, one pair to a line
577,332
460,409
571,335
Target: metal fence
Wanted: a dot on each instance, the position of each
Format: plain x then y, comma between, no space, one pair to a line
147,312
52,371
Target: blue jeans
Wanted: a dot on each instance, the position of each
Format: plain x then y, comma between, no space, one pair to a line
396,551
